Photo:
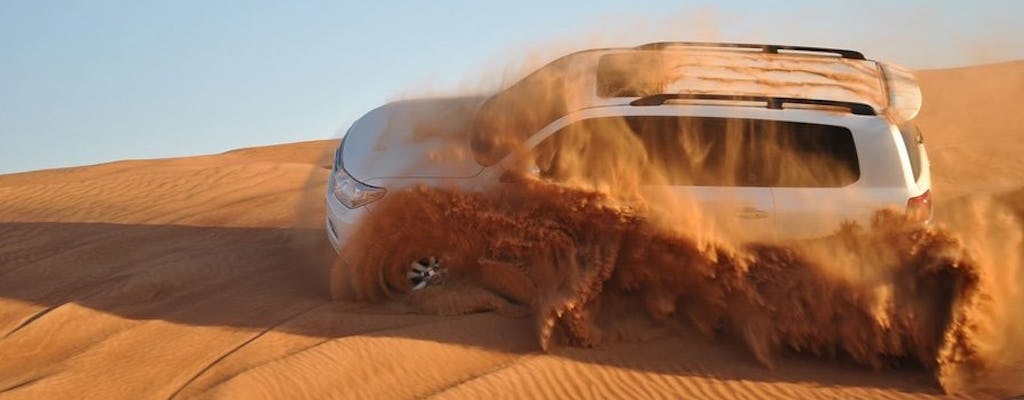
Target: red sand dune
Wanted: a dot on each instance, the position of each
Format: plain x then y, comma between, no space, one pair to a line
205,277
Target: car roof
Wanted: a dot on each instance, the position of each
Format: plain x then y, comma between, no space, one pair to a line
767,75
744,70
701,72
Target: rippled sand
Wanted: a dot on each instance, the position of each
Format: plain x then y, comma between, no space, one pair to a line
205,276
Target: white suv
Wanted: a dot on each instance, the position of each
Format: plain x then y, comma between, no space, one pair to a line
839,128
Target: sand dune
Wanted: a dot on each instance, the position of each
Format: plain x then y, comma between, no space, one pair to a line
204,277
972,124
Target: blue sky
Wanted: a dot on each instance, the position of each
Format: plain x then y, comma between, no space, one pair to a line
85,82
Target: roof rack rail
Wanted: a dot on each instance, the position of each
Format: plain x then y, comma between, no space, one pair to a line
766,48
774,103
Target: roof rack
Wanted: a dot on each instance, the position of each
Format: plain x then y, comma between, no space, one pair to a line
766,48
774,103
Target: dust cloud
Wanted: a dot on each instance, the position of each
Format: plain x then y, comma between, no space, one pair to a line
579,261
583,233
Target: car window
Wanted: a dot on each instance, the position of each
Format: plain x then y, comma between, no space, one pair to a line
699,151
912,140
504,121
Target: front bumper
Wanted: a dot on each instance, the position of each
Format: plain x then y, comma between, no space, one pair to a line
341,221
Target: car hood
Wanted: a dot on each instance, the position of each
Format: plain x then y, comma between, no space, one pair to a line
422,138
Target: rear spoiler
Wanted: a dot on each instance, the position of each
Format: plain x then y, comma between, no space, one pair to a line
902,92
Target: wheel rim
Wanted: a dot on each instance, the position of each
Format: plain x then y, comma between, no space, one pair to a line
425,272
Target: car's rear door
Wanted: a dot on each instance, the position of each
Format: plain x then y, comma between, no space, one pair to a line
862,180
741,213
815,188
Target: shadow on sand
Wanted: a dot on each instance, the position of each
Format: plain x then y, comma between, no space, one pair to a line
273,279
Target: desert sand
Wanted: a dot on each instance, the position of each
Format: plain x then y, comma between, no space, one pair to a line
205,277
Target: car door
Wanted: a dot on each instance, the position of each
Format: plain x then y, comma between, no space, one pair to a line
815,187
735,213
816,212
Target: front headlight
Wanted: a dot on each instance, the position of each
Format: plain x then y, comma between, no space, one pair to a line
352,193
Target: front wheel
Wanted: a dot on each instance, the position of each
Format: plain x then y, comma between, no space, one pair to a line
425,272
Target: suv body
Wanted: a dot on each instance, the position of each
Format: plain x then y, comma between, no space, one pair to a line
834,106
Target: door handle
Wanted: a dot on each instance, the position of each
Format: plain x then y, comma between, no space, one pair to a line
751,213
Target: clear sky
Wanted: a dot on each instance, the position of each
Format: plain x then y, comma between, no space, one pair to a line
85,82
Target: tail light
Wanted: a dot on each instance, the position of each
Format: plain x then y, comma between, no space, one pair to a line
919,208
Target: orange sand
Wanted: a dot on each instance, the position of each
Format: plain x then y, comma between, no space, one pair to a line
206,277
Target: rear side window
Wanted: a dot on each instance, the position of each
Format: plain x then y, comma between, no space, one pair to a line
913,140
698,151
